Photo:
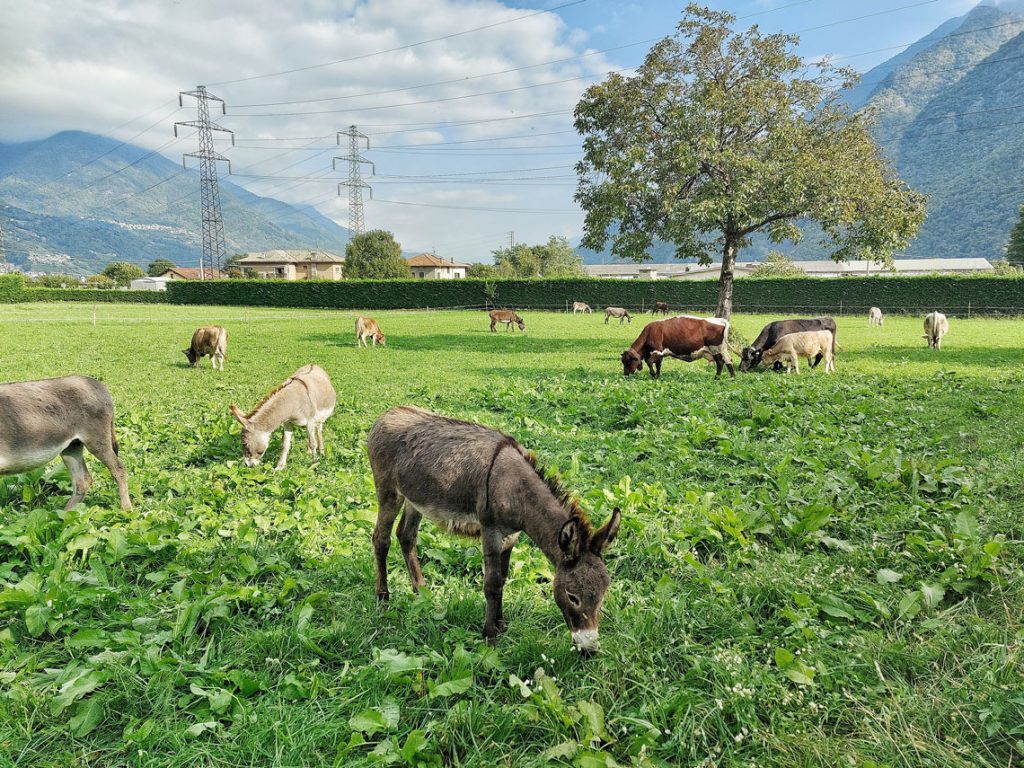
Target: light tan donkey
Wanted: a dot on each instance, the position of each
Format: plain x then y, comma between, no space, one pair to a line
307,399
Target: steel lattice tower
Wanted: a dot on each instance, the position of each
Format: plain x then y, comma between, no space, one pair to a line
355,182
213,224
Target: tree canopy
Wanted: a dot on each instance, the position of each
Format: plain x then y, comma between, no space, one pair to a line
721,134
158,267
122,272
1015,247
375,255
555,258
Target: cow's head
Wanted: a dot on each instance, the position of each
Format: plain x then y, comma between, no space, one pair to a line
581,578
193,358
750,358
631,362
379,338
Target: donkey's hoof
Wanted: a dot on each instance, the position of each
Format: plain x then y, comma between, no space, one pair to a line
502,626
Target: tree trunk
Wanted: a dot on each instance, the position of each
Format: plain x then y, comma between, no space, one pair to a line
725,280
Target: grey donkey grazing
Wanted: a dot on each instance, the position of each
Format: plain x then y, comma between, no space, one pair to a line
40,420
478,482
306,399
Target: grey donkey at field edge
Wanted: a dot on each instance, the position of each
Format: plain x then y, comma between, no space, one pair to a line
475,481
40,420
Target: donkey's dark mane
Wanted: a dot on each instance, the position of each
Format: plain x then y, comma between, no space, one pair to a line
564,496
269,395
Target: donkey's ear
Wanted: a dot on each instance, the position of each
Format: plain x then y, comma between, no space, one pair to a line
237,413
571,539
604,535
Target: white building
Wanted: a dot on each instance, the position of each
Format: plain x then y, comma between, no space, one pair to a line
149,284
826,268
430,267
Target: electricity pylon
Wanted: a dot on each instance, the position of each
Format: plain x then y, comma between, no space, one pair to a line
355,182
213,224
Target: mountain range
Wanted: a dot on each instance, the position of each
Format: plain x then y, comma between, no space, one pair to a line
950,117
75,201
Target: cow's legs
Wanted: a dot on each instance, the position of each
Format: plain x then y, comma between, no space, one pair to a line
286,445
81,480
106,453
408,532
388,504
494,582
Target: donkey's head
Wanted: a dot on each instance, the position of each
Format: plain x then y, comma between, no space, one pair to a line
581,579
519,321
254,441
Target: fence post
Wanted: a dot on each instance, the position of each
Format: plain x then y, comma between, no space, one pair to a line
93,315
840,307
968,310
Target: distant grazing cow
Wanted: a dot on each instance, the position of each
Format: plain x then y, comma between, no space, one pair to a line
506,316
619,312
875,316
60,417
211,340
808,344
686,338
774,331
367,328
660,306
935,327
579,306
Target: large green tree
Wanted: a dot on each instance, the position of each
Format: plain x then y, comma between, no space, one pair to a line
375,255
722,134
1015,248
555,258
122,272
158,267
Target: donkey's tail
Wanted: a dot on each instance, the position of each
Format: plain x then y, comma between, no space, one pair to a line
113,437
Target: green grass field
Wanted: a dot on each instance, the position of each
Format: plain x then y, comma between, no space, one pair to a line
812,571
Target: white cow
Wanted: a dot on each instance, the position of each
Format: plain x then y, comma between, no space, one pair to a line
935,327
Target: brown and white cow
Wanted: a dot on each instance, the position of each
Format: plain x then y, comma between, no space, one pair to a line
686,338
506,316
211,340
367,328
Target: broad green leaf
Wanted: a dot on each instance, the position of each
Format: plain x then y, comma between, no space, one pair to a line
452,687
560,751
87,638
369,721
932,594
85,682
414,742
887,576
593,721
36,617
397,663
88,715
910,605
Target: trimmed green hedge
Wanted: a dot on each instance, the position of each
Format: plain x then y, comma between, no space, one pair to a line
13,289
955,295
951,294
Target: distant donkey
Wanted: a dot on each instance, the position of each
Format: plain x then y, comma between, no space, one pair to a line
506,316
475,481
41,420
581,306
619,312
307,399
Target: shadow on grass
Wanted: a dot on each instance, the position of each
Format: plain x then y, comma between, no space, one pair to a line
501,342
969,356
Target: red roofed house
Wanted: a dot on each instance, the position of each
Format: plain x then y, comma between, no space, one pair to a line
192,273
431,267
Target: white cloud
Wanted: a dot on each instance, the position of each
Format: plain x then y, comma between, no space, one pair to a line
96,64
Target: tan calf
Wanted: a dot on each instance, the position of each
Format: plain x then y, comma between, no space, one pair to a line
367,328
211,340
808,344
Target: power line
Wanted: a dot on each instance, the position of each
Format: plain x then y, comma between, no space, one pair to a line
362,56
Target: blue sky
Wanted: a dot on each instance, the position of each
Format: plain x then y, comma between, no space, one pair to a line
471,134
